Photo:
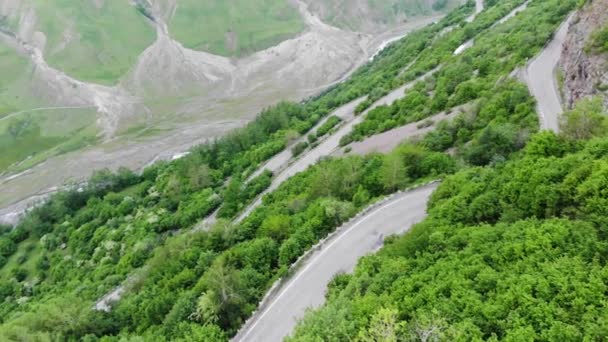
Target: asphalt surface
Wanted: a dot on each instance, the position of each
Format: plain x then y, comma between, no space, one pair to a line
478,9
331,144
281,160
540,77
306,289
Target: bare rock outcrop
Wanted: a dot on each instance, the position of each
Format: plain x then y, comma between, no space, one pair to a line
585,74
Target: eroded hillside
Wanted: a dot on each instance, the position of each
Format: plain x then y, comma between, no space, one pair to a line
585,54
155,98
370,16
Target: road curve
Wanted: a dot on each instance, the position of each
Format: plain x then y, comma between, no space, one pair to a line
329,145
540,78
280,161
479,6
280,312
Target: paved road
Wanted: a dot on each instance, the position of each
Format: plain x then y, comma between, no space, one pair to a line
307,288
478,9
540,78
281,160
513,13
329,145
389,140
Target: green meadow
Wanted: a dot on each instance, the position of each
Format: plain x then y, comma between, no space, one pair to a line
234,28
32,137
105,42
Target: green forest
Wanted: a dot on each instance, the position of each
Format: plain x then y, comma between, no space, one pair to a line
513,249
515,252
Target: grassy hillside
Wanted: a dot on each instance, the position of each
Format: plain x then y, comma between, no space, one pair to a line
35,135
13,67
368,15
95,41
514,253
32,137
234,28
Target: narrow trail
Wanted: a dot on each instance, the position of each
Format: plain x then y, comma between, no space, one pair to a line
540,78
280,161
469,43
288,302
479,7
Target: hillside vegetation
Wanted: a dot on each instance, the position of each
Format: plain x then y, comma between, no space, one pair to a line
364,15
234,28
13,66
94,41
470,75
512,250
512,253
84,243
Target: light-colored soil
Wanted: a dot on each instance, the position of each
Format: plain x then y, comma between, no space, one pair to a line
387,141
332,143
585,73
224,94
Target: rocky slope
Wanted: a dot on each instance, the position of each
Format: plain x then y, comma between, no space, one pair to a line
585,72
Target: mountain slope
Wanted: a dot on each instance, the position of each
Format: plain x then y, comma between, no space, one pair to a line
507,236
171,98
90,40
511,253
584,60
234,28
370,16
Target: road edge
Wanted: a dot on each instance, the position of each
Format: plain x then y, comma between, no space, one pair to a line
293,269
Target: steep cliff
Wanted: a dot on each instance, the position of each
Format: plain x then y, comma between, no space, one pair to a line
584,60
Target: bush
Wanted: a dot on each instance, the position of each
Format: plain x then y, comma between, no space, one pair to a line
331,122
585,121
299,148
598,42
19,273
312,138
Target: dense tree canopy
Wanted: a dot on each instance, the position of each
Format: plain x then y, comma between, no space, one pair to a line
510,253
502,237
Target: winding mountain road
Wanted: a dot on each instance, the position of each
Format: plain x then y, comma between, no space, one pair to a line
281,160
540,78
281,310
479,6
331,144
306,289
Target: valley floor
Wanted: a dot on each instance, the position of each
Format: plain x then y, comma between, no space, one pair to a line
202,119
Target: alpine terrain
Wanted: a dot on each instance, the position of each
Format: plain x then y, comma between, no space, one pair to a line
303,170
